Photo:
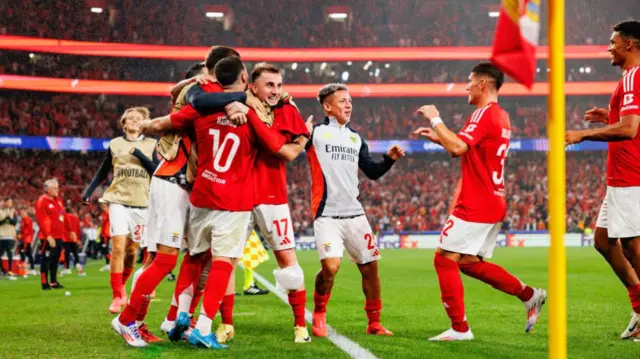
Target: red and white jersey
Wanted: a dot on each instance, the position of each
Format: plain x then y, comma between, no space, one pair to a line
623,160
226,158
271,171
482,196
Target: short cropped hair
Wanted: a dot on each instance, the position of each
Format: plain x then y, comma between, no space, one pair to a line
329,89
629,29
50,182
194,70
228,69
218,53
141,110
263,67
490,70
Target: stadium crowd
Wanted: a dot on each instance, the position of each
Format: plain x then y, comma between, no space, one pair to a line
124,69
304,24
414,196
44,114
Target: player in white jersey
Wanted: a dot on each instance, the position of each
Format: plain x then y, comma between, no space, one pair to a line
618,220
336,153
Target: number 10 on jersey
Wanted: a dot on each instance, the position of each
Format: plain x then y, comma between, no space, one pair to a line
231,139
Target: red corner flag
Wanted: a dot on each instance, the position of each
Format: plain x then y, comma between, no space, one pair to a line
517,33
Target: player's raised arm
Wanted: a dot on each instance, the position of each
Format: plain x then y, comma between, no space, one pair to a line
149,164
101,175
441,133
273,141
208,101
177,120
375,169
198,73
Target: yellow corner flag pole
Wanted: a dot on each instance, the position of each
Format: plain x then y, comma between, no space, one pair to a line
556,173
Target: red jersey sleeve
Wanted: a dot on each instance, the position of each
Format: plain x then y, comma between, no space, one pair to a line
291,122
184,118
630,99
271,140
477,127
42,218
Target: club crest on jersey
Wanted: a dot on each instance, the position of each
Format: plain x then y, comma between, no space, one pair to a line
327,247
175,237
353,138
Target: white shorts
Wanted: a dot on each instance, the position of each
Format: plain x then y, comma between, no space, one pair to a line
130,222
168,208
620,212
223,232
274,221
476,239
334,235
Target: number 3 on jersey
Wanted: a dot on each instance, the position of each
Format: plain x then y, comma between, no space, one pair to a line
498,179
219,149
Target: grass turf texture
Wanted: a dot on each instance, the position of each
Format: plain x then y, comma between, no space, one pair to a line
49,324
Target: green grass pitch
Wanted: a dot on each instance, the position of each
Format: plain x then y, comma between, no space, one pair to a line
51,325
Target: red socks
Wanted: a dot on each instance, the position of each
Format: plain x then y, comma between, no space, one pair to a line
173,313
226,308
297,300
373,308
452,291
216,287
126,273
147,283
195,300
320,302
116,284
634,297
498,278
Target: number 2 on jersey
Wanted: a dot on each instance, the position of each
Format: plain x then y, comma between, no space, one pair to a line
219,149
369,238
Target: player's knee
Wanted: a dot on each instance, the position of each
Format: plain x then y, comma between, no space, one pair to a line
290,278
330,269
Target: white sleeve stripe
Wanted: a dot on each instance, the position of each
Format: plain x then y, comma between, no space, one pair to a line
628,80
477,114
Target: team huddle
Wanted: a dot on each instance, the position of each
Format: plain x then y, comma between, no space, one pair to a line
219,170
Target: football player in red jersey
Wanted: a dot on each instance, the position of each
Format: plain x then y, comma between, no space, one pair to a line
618,221
469,235
223,195
271,213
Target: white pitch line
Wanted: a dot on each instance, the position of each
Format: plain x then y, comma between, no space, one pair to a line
345,344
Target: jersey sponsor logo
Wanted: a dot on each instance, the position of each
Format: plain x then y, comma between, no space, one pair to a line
630,107
132,172
628,99
342,153
213,177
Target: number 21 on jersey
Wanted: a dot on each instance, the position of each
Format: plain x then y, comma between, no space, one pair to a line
232,140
